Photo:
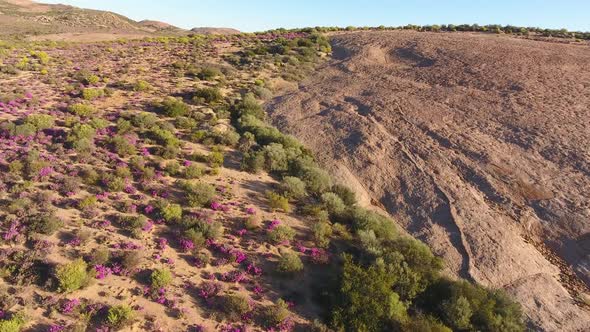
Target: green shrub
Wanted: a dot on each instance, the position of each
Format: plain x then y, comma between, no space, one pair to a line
92,93
196,237
293,187
465,306
316,212
81,132
322,231
83,110
289,263
278,202
168,152
25,129
174,107
98,123
87,202
457,312
250,106
215,159
90,79
209,73
333,203
120,315
234,306
276,314
182,122
276,158
40,121
363,219
123,172
142,85
16,167
144,120
281,233
207,95
122,146
227,138
133,223
246,142
160,278
199,135
317,180
262,93
123,126
346,194
72,276
165,137
210,230
100,256
113,182
199,194
193,171
170,212
365,300
14,324
253,162
45,223
172,168
426,324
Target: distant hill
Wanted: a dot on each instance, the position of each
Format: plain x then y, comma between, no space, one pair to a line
215,31
24,18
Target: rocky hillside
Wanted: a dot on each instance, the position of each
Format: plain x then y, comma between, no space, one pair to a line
475,143
20,18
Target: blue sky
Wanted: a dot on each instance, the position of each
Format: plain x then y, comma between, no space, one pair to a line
258,15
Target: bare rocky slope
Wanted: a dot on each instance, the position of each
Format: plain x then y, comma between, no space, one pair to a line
477,144
23,17
37,21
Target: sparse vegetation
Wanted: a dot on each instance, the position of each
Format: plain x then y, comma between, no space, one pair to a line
234,306
100,164
174,107
160,278
199,194
289,263
119,316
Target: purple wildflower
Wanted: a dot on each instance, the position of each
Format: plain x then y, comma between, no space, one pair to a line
148,209
12,232
56,328
162,243
102,271
186,245
273,224
69,305
45,171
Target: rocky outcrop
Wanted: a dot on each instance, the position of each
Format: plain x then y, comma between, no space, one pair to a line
476,144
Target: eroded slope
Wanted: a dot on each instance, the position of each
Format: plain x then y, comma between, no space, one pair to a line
477,144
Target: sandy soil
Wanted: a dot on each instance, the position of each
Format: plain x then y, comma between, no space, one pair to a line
477,144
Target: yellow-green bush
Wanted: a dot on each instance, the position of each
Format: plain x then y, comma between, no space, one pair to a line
72,276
